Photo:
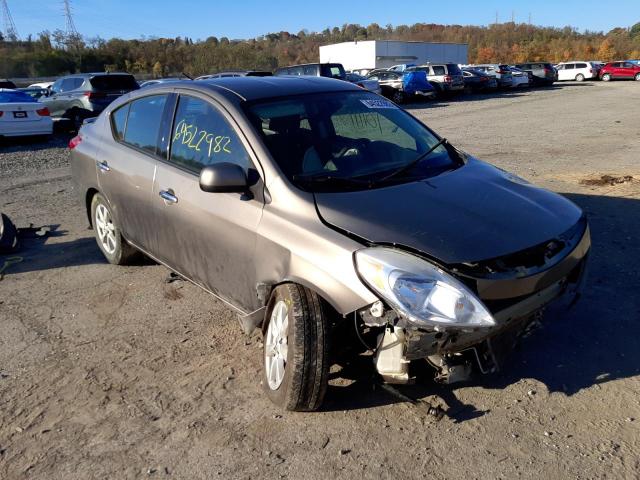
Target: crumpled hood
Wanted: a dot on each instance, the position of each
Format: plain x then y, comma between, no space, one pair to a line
474,213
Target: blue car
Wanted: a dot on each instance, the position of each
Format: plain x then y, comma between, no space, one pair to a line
403,87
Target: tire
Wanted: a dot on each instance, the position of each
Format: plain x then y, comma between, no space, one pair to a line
295,377
76,117
398,97
637,77
606,77
580,78
110,241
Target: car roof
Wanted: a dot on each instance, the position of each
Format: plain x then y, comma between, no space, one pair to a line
257,88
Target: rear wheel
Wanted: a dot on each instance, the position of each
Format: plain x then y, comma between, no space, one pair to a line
579,78
115,248
296,349
606,77
637,77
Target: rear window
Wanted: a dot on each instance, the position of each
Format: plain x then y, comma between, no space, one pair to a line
114,82
7,84
454,69
333,71
16,97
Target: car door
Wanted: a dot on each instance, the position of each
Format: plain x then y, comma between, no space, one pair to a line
627,71
208,237
568,72
127,165
53,100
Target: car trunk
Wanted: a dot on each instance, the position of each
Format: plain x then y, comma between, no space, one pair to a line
21,112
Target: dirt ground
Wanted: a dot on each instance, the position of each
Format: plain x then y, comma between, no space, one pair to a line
110,373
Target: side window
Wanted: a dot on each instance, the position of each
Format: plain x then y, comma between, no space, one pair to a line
570,66
119,121
295,71
143,123
310,70
439,70
581,65
77,83
57,86
201,136
67,84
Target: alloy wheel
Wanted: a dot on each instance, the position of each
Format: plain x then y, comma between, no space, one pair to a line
276,345
106,229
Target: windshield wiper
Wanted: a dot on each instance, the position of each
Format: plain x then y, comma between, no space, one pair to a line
413,162
331,179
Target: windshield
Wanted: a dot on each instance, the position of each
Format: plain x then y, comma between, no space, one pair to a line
15,97
345,136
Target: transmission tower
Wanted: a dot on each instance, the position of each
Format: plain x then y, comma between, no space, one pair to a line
10,31
70,29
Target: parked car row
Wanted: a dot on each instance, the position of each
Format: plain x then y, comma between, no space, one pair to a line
81,96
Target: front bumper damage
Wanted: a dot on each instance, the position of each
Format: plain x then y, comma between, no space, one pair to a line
516,298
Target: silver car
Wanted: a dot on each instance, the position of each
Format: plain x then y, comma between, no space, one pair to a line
323,213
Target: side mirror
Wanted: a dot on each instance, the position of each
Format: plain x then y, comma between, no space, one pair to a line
223,177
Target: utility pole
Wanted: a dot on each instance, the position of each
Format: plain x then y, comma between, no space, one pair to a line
513,16
529,18
496,17
70,28
10,31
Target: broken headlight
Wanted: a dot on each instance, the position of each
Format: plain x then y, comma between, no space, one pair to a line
419,291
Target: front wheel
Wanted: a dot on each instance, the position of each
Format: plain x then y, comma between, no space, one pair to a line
579,78
115,248
637,77
296,349
606,77
398,97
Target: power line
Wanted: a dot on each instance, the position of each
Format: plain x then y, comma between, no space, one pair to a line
10,31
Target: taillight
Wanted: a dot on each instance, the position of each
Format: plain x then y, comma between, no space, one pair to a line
360,85
447,79
95,96
43,112
1,113
75,141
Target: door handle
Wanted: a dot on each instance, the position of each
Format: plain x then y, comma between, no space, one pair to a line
103,166
168,196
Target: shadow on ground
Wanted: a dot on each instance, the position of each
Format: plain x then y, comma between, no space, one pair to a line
595,342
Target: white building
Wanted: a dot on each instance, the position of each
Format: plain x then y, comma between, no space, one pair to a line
386,53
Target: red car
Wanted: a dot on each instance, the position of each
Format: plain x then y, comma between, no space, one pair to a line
620,70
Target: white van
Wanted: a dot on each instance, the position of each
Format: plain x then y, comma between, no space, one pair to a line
578,71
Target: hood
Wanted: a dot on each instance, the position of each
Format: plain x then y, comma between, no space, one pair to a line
474,213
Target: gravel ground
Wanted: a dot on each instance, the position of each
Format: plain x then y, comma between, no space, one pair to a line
109,372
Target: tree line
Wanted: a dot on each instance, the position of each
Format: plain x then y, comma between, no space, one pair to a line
54,53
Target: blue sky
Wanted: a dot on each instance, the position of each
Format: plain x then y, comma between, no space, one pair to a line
250,18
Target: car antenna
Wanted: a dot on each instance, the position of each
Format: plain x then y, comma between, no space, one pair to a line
189,77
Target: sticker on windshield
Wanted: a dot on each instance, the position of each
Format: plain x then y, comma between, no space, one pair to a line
374,103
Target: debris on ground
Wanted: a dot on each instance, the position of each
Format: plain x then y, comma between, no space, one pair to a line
606,180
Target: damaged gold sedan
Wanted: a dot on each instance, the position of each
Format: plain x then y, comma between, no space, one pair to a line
308,203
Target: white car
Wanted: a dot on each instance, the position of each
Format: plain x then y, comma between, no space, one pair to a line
44,85
519,78
577,70
21,115
364,82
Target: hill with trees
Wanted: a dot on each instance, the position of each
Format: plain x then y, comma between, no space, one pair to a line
51,54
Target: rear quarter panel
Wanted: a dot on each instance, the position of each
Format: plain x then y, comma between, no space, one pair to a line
83,161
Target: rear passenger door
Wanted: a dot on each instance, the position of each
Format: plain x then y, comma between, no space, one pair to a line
208,237
127,165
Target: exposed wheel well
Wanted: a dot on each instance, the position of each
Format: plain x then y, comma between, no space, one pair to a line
88,198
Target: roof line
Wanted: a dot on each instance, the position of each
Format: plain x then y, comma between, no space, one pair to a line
227,89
